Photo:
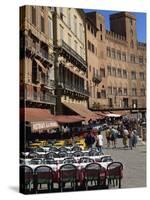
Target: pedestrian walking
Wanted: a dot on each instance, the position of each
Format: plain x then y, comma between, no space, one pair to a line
99,144
108,136
89,140
125,137
114,135
130,136
134,142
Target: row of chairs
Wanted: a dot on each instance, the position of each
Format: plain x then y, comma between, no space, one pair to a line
68,160
93,173
61,154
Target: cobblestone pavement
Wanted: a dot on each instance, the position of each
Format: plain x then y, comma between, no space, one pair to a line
134,162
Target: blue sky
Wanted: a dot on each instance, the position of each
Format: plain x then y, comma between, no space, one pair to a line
140,22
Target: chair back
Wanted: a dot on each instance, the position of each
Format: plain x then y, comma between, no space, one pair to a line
106,159
92,171
86,160
69,161
33,155
36,161
68,172
52,154
54,149
44,173
114,169
63,149
76,148
50,161
40,150
26,173
78,154
63,154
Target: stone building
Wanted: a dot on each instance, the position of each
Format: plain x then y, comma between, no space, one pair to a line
53,67
70,60
118,61
36,58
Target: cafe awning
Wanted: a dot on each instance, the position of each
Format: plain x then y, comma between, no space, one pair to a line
38,119
82,111
113,115
68,119
100,114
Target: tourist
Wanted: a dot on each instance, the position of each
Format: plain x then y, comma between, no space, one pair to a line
99,144
134,141
108,136
89,140
114,135
130,136
125,137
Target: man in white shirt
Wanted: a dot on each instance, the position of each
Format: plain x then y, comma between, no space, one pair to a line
100,142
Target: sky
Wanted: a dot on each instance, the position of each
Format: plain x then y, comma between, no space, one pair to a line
140,22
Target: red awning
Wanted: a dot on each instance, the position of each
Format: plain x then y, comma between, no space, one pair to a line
100,114
36,114
39,119
121,112
82,111
63,119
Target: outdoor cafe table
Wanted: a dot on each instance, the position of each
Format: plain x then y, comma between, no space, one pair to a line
60,160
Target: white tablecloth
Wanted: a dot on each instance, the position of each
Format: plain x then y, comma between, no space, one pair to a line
79,166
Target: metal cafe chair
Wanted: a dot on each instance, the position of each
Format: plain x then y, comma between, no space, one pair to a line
52,154
68,174
43,175
49,161
40,150
54,149
33,155
69,161
86,160
63,154
78,154
36,161
106,159
26,179
63,149
92,175
115,174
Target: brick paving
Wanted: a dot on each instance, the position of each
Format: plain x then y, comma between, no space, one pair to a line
134,162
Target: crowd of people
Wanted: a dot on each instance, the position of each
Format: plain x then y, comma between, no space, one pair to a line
94,137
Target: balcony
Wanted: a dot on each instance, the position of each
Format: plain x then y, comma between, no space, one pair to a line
76,89
43,98
44,81
39,53
96,79
74,56
48,98
50,84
